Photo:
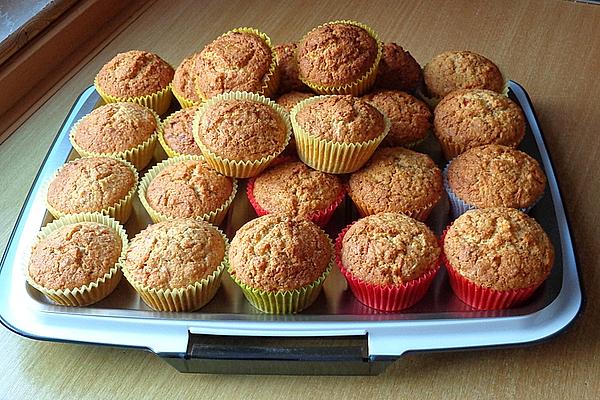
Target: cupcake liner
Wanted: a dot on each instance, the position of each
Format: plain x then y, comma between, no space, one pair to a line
189,298
480,297
214,217
451,150
120,211
385,298
240,168
364,83
329,156
158,101
420,214
183,101
161,139
94,291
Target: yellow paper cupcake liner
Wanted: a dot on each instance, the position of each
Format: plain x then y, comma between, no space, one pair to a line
240,168
184,101
214,217
329,156
189,298
159,101
120,211
161,139
364,83
94,291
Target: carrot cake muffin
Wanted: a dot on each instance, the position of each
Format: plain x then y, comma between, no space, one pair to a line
397,180
410,118
290,99
474,117
288,68
453,70
398,69
177,135
184,84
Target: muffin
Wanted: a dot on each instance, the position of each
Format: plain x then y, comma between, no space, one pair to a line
389,260
453,70
185,187
339,57
337,134
397,180
177,133
136,76
473,117
122,130
239,60
398,70
410,118
288,68
240,133
496,257
290,99
493,176
75,259
93,184
176,265
293,188
280,262
184,83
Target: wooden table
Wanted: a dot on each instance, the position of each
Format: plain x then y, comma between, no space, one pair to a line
550,47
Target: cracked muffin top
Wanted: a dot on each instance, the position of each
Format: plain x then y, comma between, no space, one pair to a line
288,68
398,69
184,81
178,131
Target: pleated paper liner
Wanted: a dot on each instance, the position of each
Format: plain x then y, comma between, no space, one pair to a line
432,102
120,211
190,298
385,298
271,79
327,155
158,101
184,101
452,150
240,168
161,138
365,82
92,292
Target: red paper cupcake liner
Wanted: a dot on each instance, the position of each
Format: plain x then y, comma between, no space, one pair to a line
480,297
385,298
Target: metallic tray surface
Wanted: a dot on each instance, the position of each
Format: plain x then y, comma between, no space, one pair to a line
439,321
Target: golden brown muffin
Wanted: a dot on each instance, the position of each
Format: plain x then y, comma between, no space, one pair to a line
74,255
410,118
341,118
293,188
90,184
236,61
474,117
455,70
499,248
288,68
188,189
134,73
184,83
114,127
397,180
242,129
290,99
389,249
276,252
496,176
174,254
398,69
178,131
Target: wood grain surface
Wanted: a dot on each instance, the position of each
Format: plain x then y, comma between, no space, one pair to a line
550,47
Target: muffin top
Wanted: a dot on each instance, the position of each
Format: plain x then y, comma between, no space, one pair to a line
184,82
410,118
178,131
396,179
398,69
290,99
242,129
188,189
389,249
134,73
174,254
114,127
339,118
454,70
336,54
499,248
288,68
475,117
74,255
276,252
236,61
496,176
90,184
293,188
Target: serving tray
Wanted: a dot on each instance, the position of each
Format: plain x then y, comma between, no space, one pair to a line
336,335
